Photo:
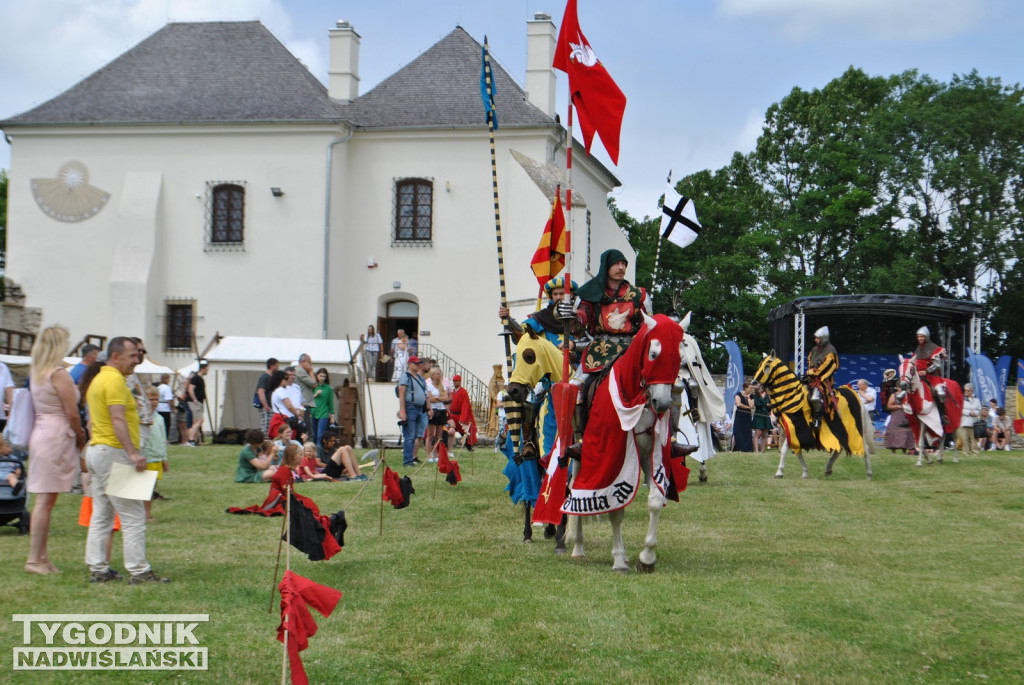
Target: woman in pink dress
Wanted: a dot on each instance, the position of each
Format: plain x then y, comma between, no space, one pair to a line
55,445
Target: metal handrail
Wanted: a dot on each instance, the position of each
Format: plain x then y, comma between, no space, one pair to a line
477,389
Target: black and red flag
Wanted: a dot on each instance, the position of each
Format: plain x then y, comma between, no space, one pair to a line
446,465
396,490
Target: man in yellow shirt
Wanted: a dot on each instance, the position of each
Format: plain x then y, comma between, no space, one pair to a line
115,438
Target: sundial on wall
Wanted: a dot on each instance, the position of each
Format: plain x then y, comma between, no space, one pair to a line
69,197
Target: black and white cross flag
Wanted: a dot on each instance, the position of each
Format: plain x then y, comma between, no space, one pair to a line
679,219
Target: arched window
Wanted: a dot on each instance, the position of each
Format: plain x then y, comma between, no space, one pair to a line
226,222
414,199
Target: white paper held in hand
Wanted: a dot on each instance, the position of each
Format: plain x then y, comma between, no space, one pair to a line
125,482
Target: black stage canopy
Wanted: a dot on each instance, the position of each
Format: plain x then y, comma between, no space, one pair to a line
876,324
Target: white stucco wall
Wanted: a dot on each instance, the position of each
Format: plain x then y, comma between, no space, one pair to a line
455,279
269,289
274,287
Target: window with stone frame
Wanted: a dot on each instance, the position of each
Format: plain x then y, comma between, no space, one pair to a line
179,328
225,220
413,221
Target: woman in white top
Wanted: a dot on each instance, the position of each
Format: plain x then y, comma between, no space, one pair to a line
439,400
371,350
282,401
401,358
166,404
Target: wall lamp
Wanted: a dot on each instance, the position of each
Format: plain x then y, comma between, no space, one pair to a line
276,192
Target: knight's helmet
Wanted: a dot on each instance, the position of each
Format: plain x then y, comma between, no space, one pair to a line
822,334
923,330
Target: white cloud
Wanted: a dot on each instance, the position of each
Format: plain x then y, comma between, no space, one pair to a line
50,46
918,21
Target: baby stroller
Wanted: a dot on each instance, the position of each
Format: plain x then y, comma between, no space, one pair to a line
12,507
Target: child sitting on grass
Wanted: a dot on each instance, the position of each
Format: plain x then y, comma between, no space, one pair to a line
291,458
270,450
310,468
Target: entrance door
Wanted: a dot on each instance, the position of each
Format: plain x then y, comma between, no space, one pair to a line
398,315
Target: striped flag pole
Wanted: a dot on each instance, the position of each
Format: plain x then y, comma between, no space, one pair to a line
489,79
565,392
657,249
512,410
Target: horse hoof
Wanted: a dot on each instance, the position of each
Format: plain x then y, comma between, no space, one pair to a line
703,478
641,567
918,464
622,570
778,475
560,551
528,540
828,473
549,532
805,476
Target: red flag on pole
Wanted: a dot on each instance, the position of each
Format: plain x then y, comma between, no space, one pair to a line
297,595
447,466
599,102
549,259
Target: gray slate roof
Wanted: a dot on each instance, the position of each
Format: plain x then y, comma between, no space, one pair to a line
441,88
213,72
194,72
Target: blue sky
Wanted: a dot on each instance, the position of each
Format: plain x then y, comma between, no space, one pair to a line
698,74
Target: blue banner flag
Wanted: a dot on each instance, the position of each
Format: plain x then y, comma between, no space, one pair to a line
734,376
1003,374
488,91
984,379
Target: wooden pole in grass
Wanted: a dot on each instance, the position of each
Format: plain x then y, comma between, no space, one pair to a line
384,463
287,567
437,472
277,564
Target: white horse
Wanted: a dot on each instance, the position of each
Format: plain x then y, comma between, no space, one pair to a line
697,402
923,413
628,433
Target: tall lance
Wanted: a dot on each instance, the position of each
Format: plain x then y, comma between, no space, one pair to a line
657,249
564,393
492,120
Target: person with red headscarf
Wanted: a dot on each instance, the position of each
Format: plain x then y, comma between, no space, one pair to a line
460,413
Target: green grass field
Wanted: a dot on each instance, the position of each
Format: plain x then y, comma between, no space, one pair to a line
912,577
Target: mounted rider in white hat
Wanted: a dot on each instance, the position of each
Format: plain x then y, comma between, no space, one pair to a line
822,364
929,358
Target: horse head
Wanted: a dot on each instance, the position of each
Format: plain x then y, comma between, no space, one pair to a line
536,358
661,341
765,374
910,381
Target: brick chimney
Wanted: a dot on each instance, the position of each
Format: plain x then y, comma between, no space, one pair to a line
343,72
540,51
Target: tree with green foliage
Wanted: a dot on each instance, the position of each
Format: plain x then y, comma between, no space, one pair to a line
896,184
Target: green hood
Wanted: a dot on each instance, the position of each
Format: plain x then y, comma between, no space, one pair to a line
593,290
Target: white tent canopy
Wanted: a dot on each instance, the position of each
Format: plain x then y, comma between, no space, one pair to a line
237,353
237,362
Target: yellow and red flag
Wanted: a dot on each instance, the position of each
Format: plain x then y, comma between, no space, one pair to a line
549,259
